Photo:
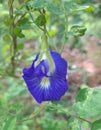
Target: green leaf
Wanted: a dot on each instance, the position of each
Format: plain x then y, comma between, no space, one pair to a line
8,21
55,9
14,91
20,11
84,8
73,124
73,6
51,6
78,30
40,20
70,5
90,8
20,46
18,32
38,4
82,93
78,1
24,24
21,35
10,124
6,38
88,102
96,125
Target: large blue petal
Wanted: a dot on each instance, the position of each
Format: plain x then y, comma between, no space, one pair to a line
57,87
61,64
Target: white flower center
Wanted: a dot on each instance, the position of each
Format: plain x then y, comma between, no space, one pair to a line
45,82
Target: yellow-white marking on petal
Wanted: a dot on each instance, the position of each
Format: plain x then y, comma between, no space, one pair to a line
45,82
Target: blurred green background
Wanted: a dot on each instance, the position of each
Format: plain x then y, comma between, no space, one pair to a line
83,55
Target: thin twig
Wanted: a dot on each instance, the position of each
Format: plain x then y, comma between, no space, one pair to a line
33,115
22,16
66,28
34,21
83,119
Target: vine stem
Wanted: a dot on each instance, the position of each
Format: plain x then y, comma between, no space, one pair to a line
82,119
43,106
34,114
66,29
75,116
14,37
21,17
32,17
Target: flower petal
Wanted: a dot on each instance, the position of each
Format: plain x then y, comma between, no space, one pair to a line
61,64
43,87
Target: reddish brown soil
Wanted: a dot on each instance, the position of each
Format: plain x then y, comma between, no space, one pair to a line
86,67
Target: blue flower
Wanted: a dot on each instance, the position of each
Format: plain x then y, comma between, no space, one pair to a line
46,78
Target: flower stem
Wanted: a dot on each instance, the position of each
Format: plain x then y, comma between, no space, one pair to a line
45,45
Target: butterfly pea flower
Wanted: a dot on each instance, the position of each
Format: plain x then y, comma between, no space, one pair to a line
46,77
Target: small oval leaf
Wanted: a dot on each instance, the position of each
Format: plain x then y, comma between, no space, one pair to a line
10,124
96,125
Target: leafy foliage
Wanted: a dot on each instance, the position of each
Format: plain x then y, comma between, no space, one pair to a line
87,102
96,125
10,124
24,20
78,30
73,124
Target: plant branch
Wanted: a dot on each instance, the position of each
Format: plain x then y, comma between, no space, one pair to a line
21,17
14,37
33,115
33,18
66,28
70,114
82,119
